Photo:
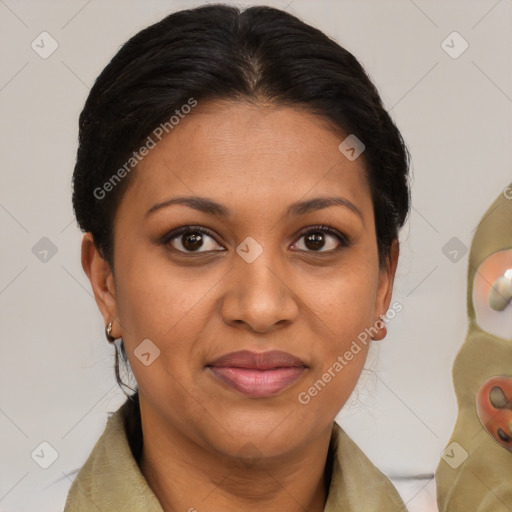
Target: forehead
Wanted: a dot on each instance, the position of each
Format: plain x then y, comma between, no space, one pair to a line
245,154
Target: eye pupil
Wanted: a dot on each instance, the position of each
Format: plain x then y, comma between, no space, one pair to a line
192,241
315,241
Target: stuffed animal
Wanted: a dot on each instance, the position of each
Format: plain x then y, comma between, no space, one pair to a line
475,470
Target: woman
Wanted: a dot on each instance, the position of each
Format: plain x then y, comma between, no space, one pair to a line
241,189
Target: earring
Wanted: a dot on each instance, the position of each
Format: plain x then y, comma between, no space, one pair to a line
382,328
108,330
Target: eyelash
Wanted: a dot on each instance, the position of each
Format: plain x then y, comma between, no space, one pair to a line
344,240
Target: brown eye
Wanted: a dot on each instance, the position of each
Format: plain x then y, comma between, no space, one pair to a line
323,239
190,239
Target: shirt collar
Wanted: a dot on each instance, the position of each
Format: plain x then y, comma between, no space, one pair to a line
111,478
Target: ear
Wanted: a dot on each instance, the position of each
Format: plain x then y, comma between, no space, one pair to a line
385,288
102,281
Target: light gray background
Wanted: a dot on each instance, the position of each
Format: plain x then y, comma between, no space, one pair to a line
56,368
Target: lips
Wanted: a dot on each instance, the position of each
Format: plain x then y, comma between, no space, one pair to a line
258,374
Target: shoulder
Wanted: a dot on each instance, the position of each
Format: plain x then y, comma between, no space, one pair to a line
356,483
110,478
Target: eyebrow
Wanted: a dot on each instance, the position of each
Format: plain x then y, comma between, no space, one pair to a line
209,206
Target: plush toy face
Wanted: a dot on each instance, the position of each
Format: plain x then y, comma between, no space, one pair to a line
494,409
475,471
492,300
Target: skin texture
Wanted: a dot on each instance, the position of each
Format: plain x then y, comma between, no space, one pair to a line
227,451
476,473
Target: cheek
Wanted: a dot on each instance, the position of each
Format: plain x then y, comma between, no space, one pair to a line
154,296
157,303
342,323
348,299
166,305
330,384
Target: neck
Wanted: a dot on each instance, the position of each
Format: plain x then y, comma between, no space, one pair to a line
185,476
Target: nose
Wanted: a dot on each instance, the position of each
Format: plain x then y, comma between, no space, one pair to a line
259,294
494,409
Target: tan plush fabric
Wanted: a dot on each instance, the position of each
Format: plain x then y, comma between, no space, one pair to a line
478,478
111,481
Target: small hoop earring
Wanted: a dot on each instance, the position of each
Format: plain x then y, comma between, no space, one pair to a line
382,328
108,330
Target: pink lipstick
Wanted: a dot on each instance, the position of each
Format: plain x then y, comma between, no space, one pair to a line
258,374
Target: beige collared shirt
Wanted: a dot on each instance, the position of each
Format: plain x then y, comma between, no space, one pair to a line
111,481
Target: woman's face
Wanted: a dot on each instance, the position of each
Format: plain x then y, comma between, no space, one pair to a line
262,278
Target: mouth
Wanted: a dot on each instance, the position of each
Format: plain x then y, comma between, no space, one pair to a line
256,374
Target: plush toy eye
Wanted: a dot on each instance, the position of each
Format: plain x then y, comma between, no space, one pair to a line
492,294
501,291
497,398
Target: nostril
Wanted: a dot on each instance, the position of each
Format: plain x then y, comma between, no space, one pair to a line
497,398
503,436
